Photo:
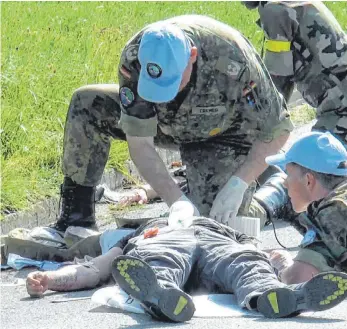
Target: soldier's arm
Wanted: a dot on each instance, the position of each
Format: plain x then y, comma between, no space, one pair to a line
152,168
255,163
284,85
274,126
280,25
290,271
139,123
73,277
328,249
298,272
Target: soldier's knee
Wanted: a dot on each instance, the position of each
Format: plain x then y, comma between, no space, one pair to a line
88,99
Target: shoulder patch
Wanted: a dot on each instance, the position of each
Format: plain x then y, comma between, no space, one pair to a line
229,67
126,96
131,53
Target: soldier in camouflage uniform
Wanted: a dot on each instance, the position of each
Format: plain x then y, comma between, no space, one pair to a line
317,186
189,83
307,47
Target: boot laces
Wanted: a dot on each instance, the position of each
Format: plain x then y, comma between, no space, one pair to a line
66,202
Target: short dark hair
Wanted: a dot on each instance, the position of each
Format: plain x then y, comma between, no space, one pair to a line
327,180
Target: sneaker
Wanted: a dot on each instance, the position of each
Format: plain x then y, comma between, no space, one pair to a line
322,292
138,279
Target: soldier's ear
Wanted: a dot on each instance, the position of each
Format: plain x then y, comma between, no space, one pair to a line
310,181
193,54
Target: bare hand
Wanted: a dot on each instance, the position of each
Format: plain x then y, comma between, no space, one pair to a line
138,196
37,283
280,259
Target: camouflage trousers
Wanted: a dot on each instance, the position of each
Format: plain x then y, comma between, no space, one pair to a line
92,121
336,123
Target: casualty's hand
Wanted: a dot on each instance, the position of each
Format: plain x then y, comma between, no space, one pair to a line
181,212
280,259
138,196
228,200
37,283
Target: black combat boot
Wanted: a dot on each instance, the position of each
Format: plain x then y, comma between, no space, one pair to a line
77,205
273,197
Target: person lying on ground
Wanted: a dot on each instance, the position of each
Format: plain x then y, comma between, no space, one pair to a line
316,182
158,262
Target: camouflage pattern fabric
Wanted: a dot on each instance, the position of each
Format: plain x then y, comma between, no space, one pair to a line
229,103
316,60
208,167
328,219
256,210
91,121
213,102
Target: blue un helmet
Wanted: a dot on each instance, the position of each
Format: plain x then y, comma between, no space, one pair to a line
164,54
317,151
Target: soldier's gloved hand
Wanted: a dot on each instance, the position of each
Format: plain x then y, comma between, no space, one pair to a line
182,212
228,200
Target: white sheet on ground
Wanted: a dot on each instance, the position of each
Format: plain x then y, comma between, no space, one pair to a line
213,305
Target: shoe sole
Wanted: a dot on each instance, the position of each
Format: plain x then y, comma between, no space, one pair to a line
322,292
138,280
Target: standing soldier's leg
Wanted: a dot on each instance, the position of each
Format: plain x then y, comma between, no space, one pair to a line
91,120
329,88
336,123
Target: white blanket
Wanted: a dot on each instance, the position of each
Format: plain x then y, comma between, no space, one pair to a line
212,305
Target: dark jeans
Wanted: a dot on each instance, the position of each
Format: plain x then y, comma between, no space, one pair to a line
210,260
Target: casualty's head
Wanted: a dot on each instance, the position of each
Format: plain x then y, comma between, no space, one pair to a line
166,56
315,164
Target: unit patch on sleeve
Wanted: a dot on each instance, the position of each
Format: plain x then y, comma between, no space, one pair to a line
126,96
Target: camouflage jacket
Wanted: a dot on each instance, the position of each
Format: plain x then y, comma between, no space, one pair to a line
306,45
328,219
230,90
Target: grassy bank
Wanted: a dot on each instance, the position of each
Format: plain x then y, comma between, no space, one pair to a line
51,48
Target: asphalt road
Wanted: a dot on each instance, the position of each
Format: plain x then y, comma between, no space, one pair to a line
19,311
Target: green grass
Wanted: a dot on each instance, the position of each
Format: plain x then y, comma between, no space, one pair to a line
51,48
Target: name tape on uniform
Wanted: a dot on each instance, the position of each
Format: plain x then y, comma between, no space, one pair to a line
209,110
